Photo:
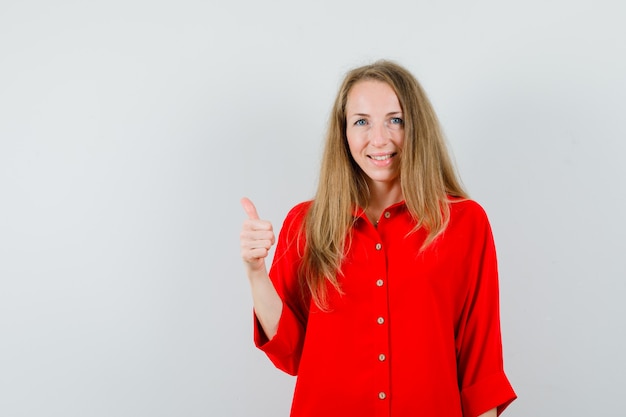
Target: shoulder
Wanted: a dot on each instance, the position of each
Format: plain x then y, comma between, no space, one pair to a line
469,226
295,217
298,212
466,207
300,209
468,213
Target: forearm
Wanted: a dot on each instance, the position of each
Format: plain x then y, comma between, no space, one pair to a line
491,413
257,237
268,305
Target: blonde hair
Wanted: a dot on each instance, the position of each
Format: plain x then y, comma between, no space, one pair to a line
427,178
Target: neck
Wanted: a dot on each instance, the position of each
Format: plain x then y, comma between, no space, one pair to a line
382,195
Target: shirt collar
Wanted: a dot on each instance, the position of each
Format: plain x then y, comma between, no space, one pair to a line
359,212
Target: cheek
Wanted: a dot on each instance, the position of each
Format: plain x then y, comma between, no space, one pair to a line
399,139
353,144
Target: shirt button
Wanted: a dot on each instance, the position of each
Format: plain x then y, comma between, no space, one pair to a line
380,283
379,246
382,357
380,320
382,395
387,215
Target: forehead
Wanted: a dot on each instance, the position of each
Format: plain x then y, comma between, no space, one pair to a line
371,95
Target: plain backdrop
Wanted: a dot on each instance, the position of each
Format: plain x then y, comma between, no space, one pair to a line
129,130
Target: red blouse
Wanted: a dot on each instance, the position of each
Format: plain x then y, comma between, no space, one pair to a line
414,334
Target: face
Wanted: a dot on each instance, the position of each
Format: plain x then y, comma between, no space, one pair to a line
375,131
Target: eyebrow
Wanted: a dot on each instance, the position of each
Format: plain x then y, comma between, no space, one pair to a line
367,115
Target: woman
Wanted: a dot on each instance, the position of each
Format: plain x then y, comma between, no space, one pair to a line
383,293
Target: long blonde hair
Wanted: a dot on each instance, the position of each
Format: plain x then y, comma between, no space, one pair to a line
427,178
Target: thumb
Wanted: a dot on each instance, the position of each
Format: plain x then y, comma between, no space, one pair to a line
248,206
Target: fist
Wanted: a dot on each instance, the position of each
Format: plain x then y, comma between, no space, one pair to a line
257,237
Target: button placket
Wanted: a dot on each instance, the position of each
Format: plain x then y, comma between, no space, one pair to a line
379,355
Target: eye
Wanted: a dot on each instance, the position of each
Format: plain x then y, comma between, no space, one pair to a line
396,121
360,122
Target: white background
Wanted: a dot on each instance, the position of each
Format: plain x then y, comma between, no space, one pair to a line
130,129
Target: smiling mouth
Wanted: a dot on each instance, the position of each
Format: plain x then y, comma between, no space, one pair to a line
382,157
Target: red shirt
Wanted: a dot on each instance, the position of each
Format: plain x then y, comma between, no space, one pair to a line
414,334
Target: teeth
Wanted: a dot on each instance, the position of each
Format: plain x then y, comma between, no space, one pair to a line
380,157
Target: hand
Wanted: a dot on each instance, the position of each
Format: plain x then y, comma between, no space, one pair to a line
257,237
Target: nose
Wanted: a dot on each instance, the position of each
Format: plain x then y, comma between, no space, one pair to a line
379,134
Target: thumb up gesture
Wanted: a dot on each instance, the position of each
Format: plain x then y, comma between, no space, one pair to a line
257,237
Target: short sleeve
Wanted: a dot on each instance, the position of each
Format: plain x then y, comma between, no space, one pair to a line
285,348
482,380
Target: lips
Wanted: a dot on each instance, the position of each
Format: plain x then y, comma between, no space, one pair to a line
382,157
